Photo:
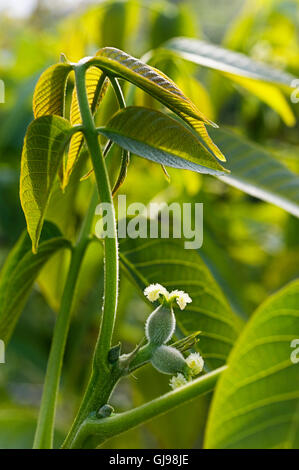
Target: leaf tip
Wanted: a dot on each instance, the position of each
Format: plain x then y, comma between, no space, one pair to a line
34,248
213,124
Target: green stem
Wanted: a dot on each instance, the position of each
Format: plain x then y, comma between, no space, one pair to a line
110,242
94,432
103,378
45,424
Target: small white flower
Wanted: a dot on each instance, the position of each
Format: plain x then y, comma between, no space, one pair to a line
181,297
195,363
153,291
177,381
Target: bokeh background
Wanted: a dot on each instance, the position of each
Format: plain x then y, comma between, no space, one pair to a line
250,246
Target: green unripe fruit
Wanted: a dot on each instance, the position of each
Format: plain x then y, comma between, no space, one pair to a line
160,325
169,360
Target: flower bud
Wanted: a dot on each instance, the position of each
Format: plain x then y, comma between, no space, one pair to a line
114,353
169,360
160,325
177,381
105,411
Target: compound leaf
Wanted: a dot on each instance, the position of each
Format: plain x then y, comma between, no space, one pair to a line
158,85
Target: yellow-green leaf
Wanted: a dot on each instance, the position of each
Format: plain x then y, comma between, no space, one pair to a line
259,79
42,155
49,93
157,84
256,401
224,60
269,94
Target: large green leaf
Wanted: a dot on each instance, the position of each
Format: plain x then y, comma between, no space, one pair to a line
255,171
256,404
20,271
157,84
96,90
260,79
166,261
44,144
157,137
49,93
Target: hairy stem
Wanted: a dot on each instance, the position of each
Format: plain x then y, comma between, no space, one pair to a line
94,431
45,424
103,377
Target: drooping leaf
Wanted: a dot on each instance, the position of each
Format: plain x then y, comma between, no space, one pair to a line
49,93
257,399
167,262
224,60
157,84
96,89
20,271
260,79
159,138
257,172
269,94
44,144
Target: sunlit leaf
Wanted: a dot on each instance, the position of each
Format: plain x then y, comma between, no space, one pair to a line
95,89
157,84
49,93
224,60
259,79
257,399
44,144
20,271
197,93
257,172
167,262
269,94
157,137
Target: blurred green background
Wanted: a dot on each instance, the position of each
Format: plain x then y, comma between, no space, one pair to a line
250,246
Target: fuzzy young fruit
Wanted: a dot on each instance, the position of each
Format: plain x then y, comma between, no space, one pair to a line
160,325
169,360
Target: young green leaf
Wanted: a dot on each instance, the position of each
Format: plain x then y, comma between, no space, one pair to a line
96,87
20,271
158,85
44,144
167,262
257,399
260,79
49,93
257,172
159,138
